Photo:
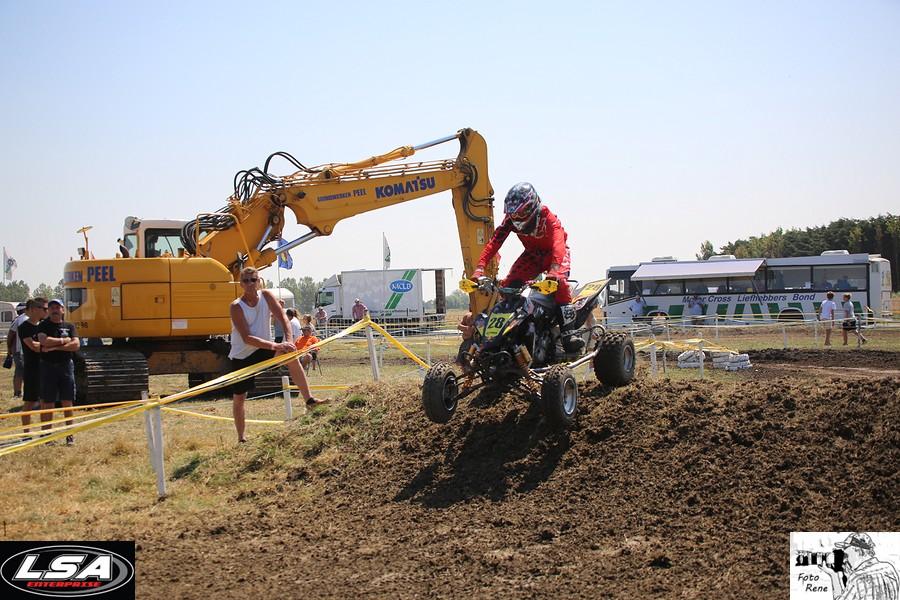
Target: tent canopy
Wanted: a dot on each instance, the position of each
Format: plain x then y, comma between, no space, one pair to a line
697,270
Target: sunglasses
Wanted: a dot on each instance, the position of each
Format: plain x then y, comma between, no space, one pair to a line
252,280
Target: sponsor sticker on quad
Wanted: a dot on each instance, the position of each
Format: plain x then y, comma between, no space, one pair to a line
67,569
828,565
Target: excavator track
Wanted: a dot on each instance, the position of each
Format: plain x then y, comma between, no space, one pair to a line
110,374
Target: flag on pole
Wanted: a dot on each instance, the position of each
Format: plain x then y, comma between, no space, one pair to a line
284,258
387,252
9,263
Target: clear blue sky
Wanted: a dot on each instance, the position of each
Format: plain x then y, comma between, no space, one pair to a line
647,127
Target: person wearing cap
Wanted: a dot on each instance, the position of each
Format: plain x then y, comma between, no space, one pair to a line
867,577
306,339
14,349
849,323
35,310
359,310
57,344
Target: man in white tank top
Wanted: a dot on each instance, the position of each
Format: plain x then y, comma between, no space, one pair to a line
251,341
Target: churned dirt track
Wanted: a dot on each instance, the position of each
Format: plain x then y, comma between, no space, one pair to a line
664,489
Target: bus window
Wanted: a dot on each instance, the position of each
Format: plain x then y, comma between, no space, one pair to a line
706,286
661,288
843,277
788,278
617,290
746,285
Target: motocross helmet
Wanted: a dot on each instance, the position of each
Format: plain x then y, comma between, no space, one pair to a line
523,205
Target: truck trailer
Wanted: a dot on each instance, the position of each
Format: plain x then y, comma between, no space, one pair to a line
391,295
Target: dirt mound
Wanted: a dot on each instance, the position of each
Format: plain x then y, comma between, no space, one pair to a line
664,489
862,358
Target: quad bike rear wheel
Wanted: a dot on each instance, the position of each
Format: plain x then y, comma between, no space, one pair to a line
559,396
439,392
615,360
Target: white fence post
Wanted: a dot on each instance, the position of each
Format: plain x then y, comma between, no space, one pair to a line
153,427
784,336
665,372
428,350
653,360
286,392
717,326
816,332
700,347
373,355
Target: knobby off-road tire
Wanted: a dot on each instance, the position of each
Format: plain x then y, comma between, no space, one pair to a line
615,360
439,392
559,396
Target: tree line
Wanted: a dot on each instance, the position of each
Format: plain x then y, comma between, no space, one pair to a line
875,235
18,291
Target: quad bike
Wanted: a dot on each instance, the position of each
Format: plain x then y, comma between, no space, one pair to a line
526,341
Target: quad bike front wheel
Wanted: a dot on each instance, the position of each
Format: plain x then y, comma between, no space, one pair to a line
615,359
559,396
439,392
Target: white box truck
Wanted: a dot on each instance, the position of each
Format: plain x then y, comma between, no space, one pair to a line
391,295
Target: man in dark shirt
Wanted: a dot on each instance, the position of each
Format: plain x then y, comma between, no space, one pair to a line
36,309
58,343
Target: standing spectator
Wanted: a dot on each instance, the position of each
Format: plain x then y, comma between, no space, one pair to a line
35,309
638,308
826,315
58,343
251,342
279,328
321,316
696,310
850,323
294,322
14,349
359,309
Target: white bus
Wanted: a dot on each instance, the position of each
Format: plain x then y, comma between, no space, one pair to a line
752,289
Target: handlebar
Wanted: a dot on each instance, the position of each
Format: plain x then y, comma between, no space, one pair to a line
487,285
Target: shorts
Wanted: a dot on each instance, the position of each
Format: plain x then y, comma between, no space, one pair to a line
57,381
849,325
19,363
242,387
31,383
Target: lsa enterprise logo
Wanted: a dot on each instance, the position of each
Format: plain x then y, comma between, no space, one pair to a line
67,569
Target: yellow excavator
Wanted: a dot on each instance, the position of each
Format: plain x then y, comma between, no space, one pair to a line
164,300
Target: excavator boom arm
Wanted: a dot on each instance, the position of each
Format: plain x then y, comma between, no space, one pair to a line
322,196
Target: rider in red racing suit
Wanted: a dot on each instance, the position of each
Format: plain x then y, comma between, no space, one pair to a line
540,232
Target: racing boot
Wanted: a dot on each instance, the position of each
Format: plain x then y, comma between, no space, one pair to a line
572,343
559,352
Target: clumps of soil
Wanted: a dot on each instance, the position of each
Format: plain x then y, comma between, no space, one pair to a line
857,357
665,488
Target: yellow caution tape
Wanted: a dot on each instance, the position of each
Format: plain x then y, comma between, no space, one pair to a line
128,412
37,424
690,344
217,417
75,408
399,346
